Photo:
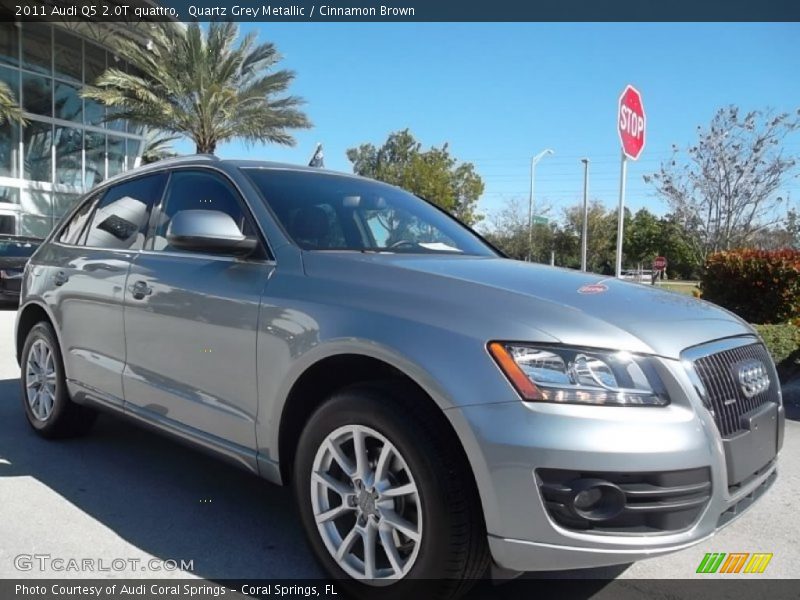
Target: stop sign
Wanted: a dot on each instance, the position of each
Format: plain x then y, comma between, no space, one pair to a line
660,263
631,122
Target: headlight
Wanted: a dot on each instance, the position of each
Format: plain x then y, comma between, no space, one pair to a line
571,375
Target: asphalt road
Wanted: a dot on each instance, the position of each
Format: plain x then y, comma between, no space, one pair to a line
124,492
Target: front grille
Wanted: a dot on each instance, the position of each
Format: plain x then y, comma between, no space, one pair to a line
724,396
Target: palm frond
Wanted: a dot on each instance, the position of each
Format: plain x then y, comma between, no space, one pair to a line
9,109
157,146
204,86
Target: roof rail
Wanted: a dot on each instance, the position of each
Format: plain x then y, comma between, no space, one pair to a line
187,158
164,162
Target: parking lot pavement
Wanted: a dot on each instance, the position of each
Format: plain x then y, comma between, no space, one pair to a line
124,492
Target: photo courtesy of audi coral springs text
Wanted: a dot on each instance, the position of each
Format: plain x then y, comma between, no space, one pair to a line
436,406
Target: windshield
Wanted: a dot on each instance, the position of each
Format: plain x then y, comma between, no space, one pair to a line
330,212
17,248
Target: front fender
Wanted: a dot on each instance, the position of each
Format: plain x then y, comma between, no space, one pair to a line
274,397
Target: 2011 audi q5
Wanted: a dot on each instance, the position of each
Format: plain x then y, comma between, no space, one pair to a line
436,406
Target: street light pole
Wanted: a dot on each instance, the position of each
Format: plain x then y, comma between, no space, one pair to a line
585,227
534,160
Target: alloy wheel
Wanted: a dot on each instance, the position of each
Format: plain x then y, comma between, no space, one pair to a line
366,505
40,380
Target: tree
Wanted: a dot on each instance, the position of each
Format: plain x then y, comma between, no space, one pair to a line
601,234
724,192
676,244
508,230
793,228
431,174
643,239
9,109
201,86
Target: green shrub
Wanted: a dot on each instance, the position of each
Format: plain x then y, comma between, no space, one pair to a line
758,285
783,343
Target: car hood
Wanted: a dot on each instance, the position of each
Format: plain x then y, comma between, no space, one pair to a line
516,299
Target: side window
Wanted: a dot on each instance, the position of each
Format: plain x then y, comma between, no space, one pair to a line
121,217
72,231
199,190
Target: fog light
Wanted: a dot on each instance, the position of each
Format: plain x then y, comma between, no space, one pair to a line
596,499
587,499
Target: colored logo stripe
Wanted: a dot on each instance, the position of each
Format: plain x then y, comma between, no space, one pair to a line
758,563
734,563
711,562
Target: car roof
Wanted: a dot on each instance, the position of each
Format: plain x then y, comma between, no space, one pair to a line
210,159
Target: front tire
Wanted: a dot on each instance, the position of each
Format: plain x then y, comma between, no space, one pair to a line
386,499
49,410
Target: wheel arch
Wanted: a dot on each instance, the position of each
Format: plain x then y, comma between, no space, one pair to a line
335,371
29,315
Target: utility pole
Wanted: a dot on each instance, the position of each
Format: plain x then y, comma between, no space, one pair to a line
585,227
531,203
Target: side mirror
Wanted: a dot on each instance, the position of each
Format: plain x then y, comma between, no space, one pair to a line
208,231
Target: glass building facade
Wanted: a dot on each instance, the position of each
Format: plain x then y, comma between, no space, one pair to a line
67,145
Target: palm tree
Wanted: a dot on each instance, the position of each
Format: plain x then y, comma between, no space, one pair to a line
9,109
199,85
157,146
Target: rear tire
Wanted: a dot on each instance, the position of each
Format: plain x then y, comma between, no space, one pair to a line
411,490
49,410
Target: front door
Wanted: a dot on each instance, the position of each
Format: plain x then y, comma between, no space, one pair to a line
191,321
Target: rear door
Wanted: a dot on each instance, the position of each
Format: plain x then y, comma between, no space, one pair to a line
87,268
191,320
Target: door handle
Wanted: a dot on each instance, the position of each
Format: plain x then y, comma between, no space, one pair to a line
60,278
140,289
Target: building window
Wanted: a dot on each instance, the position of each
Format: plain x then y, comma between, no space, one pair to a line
9,195
37,95
64,142
132,153
94,62
63,203
68,104
11,79
69,156
37,213
37,140
9,44
94,113
95,144
116,155
68,56
37,48
9,150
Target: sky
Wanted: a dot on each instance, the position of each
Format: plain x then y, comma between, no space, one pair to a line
500,93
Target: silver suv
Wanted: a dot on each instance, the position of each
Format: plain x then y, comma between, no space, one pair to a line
437,407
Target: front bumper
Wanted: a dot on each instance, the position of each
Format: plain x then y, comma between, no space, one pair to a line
522,555
506,443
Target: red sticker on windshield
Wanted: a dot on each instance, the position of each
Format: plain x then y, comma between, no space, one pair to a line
593,288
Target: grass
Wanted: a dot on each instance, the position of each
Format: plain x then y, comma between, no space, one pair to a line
682,287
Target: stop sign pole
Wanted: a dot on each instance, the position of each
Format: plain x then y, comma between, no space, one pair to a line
631,122
623,173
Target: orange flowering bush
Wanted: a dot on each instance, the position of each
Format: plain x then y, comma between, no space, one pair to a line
761,286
